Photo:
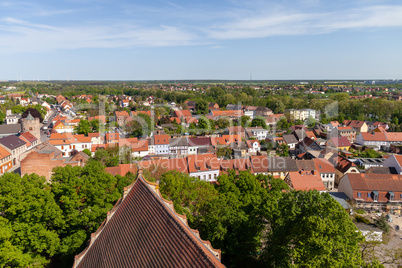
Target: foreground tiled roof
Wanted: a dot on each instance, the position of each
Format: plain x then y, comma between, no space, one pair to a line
143,230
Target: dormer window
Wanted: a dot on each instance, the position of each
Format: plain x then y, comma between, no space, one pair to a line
375,196
391,196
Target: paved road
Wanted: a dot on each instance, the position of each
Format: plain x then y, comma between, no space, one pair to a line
43,133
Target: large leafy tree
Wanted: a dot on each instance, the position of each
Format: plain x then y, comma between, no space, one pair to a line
258,122
29,221
201,107
83,127
311,229
84,195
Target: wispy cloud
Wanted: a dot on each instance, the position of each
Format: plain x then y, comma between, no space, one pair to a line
265,24
18,35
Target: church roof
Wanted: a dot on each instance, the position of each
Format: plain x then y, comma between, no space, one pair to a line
143,230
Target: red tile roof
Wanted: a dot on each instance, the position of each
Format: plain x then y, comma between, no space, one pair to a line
304,181
341,141
161,139
29,137
143,230
202,162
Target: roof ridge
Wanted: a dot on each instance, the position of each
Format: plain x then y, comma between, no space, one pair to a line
181,220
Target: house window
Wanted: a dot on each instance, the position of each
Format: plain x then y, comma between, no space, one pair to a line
359,194
391,196
368,194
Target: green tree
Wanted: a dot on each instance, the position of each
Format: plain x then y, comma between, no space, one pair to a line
282,150
84,195
95,125
87,152
258,122
311,229
244,120
310,121
28,222
201,107
83,127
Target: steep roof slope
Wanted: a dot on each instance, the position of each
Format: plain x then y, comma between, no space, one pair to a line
143,230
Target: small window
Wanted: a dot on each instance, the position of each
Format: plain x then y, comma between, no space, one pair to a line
359,194
368,194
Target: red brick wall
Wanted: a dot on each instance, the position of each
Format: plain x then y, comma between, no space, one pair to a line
41,164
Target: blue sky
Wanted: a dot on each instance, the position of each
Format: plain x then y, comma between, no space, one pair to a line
169,39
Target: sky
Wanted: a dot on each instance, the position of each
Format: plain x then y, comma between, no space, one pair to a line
209,39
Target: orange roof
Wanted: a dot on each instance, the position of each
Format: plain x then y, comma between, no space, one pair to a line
122,169
3,153
95,134
225,139
311,135
374,136
227,113
393,136
68,138
161,139
182,113
306,180
112,136
202,162
28,137
323,165
121,113
190,120
175,118
239,164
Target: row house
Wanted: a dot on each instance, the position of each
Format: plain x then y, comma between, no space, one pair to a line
161,144
327,172
305,180
224,140
205,166
374,192
5,160
379,139
178,146
15,146
31,140
66,143
139,148
278,167
231,114
195,144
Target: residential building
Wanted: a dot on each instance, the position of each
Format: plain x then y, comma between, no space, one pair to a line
205,166
302,114
67,143
121,117
145,221
178,146
239,164
374,192
341,143
257,132
161,144
12,118
253,146
290,140
348,132
112,138
342,167
197,143
327,172
278,167
305,181
236,130
231,114
263,111
394,161
15,146
151,146
359,126
5,160
30,139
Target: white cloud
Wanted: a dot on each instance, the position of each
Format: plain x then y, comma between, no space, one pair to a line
265,24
